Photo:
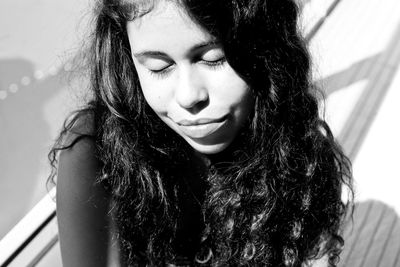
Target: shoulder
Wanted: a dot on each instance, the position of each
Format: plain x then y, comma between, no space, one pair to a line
78,161
79,168
78,164
81,126
82,203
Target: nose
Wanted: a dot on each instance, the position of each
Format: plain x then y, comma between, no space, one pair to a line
191,91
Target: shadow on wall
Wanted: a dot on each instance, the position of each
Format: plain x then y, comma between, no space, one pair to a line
24,137
380,70
373,238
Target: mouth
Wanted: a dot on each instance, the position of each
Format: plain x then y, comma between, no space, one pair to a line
201,121
201,128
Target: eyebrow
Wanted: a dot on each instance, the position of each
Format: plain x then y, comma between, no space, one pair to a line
159,54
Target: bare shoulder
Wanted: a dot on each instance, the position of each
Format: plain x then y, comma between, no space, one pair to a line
82,126
79,166
82,204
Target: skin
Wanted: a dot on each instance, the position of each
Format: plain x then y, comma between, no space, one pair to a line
84,224
186,79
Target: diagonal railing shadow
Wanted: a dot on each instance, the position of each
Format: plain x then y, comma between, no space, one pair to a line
379,70
373,240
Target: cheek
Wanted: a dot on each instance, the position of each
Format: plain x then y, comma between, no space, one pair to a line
238,96
154,99
232,90
155,94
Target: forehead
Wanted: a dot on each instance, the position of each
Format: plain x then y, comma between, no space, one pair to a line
166,26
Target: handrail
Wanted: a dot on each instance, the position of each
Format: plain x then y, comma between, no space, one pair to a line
26,229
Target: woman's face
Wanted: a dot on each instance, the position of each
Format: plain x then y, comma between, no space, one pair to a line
186,79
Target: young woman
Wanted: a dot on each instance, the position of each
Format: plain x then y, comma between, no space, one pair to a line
202,144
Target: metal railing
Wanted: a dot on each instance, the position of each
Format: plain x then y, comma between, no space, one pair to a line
33,236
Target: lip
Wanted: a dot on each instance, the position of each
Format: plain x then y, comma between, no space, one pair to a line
200,121
201,128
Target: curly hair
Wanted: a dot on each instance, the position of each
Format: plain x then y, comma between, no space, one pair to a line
273,198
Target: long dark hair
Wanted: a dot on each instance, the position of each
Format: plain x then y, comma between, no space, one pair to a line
273,198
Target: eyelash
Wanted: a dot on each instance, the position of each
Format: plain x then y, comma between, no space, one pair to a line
160,73
212,64
216,63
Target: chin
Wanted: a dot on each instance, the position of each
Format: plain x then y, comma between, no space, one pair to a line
208,149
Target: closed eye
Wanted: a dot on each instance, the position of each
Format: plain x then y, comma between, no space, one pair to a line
214,57
215,63
161,72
